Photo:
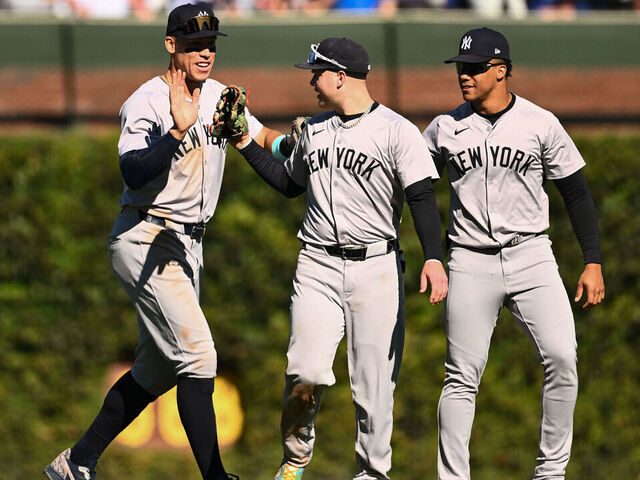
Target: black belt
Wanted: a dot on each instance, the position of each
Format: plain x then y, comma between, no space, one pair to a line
353,253
517,239
194,230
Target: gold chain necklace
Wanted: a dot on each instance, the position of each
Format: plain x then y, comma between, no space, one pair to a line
344,125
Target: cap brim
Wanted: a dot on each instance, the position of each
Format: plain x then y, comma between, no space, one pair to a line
316,66
469,59
201,34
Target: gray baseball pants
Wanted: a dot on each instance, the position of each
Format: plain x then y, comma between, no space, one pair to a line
525,279
160,268
364,300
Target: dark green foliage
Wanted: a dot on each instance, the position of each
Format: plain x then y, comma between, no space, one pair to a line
65,319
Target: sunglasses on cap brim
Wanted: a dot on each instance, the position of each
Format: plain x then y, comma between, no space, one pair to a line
472,69
201,23
314,56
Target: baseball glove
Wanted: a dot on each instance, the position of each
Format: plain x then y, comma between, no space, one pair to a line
297,126
229,119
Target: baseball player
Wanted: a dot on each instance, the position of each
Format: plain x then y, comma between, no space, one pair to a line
499,149
172,169
357,163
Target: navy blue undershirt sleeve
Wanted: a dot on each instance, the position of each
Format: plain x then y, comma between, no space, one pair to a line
582,212
426,219
271,170
140,166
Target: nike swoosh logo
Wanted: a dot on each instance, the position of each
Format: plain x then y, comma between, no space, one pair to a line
317,131
460,131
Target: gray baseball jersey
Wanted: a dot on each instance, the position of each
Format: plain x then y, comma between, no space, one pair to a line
497,171
189,193
355,175
500,257
160,266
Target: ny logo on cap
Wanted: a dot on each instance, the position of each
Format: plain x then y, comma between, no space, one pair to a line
496,51
466,43
202,14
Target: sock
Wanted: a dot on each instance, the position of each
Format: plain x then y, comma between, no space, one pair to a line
121,406
199,421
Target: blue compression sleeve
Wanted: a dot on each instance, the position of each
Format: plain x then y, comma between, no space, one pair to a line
140,166
271,170
582,213
426,218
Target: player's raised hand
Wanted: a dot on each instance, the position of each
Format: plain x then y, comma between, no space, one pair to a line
591,283
184,110
433,272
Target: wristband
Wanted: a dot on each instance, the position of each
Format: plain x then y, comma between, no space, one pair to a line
275,149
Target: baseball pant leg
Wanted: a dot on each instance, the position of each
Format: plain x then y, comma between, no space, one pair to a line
160,270
473,304
317,327
541,307
374,318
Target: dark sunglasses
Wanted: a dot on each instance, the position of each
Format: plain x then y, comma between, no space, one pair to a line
472,69
200,23
198,47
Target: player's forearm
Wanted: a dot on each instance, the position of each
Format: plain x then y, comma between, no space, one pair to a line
271,170
266,137
138,167
582,212
426,218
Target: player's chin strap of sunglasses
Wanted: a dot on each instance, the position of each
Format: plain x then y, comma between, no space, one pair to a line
200,23
314,55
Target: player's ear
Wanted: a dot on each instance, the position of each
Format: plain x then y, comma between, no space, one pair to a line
170,44
501,72
341,77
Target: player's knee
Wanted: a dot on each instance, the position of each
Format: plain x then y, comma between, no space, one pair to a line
310,373
199,364
157,381
563,363
463,377
459,387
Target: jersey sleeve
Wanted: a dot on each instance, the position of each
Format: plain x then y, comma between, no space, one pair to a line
140,126
560,156
430,136
254,124
295,164
412,156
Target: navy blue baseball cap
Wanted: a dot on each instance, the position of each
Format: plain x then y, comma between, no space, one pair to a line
338,54
193,21
481,45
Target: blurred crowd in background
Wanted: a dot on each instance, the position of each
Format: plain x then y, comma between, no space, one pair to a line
148,10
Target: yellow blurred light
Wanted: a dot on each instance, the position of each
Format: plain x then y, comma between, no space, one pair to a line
159,424
169,425
229,414
140,431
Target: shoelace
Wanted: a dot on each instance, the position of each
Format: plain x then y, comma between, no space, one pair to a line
290,473
86,472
